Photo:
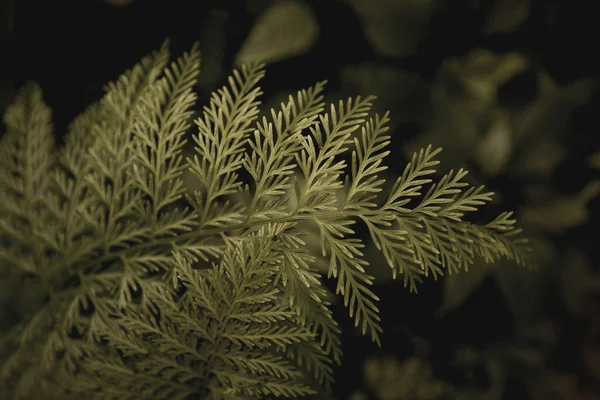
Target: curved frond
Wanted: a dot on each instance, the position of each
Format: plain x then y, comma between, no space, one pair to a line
150,294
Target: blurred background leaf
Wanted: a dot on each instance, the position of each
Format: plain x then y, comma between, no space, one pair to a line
506,16
561,213
285,29
395,28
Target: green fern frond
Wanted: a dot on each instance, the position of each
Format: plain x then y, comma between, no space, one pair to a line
222,133
274,146
153,293
218,333
26,157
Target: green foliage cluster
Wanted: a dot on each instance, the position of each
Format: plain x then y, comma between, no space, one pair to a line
153,293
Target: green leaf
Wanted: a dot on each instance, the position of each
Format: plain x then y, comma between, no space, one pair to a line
287,28
394,28
506,16
562,213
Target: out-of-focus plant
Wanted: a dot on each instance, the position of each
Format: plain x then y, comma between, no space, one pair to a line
523,141
389,379
285,29
395,28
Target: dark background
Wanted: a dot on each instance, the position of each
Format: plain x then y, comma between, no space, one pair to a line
72,48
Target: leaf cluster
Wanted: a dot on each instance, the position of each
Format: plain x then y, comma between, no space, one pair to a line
154,292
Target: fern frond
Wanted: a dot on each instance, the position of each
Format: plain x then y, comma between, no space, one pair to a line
305,294
220,298
328,139
367,159
26,158
90,200
432,236
275,144
346,264
314,359
213,325
162,120
222,135
111,157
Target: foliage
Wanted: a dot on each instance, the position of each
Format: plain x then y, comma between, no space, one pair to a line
285,29
153,293
522,141
412,379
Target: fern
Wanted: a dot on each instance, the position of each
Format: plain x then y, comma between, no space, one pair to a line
156,293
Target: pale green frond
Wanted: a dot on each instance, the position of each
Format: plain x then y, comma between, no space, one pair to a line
304,293
367,161
508,239
280,388
314,360
26,159
75,239
162,118
431,236
111,156
222,134
328,139
346,264
262,338
253,317
218,295
259,363
451,197
275,143
410,183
